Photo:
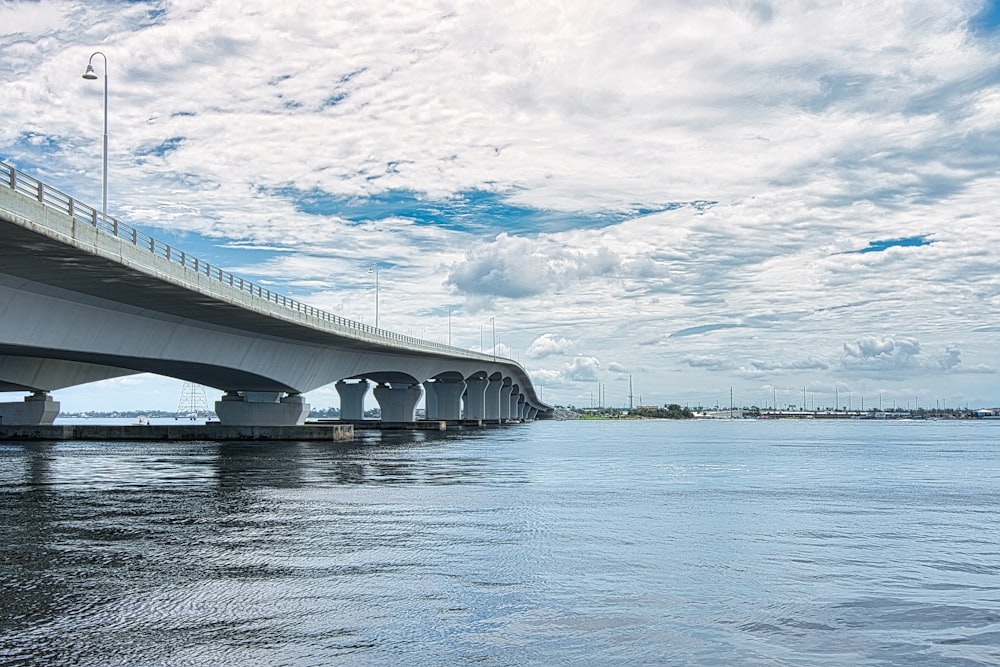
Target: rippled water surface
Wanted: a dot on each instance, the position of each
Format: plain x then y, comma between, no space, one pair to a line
652,543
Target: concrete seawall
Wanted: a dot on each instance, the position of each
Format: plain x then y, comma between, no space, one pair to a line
331,432
421,425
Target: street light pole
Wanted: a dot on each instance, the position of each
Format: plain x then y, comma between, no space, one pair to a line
90,75
374,269
449,326
493,323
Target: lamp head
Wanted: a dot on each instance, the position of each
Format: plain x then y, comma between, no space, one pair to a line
90,73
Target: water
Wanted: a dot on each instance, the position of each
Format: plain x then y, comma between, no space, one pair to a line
554,543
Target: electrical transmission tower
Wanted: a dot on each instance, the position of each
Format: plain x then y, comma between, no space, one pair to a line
193,402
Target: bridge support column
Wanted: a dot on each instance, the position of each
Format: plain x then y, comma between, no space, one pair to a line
493,400
447,399
475,398
532,412
36,410
398,401
505,394
259,408
352,398
430,401
518,406
515,409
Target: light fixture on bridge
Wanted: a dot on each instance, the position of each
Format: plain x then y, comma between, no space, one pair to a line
449,326
91,75
493,323
374,269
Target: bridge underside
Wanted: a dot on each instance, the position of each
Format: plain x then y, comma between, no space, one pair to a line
54,338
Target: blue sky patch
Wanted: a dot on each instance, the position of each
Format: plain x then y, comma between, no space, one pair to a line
233,257
335,99
161,149
987,21
34,141
705,328
340,94
905,242
475,211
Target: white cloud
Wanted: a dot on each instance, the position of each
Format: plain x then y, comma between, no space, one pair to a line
882,353
516,267
682,187
548,345
582,369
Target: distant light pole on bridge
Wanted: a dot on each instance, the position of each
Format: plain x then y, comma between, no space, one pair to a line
91,75
449,326
374,269
493,323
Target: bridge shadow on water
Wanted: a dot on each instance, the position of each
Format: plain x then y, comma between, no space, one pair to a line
123,533
373,457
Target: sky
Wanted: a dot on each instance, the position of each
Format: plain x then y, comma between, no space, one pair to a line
789,203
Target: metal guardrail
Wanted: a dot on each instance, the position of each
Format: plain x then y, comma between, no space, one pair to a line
48,196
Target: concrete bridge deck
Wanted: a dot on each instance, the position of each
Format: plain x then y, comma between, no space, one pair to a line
84,297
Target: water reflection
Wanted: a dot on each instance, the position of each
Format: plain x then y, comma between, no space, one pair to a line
153,539
660,543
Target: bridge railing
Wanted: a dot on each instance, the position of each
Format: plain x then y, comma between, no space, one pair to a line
82,213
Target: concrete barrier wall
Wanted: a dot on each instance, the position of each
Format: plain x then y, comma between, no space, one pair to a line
171,432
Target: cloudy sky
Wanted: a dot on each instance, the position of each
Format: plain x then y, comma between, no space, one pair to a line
778,199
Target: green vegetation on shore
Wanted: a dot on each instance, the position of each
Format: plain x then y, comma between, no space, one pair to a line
672,411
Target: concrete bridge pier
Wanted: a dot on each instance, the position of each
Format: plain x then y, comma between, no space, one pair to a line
261,408
398,401
38,409
352,398
446,398
475,398
505,393
430,400
517,406
493,399
515,398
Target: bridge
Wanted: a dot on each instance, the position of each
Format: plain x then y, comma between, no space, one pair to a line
84,297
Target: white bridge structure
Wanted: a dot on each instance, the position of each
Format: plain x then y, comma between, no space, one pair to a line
84,297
